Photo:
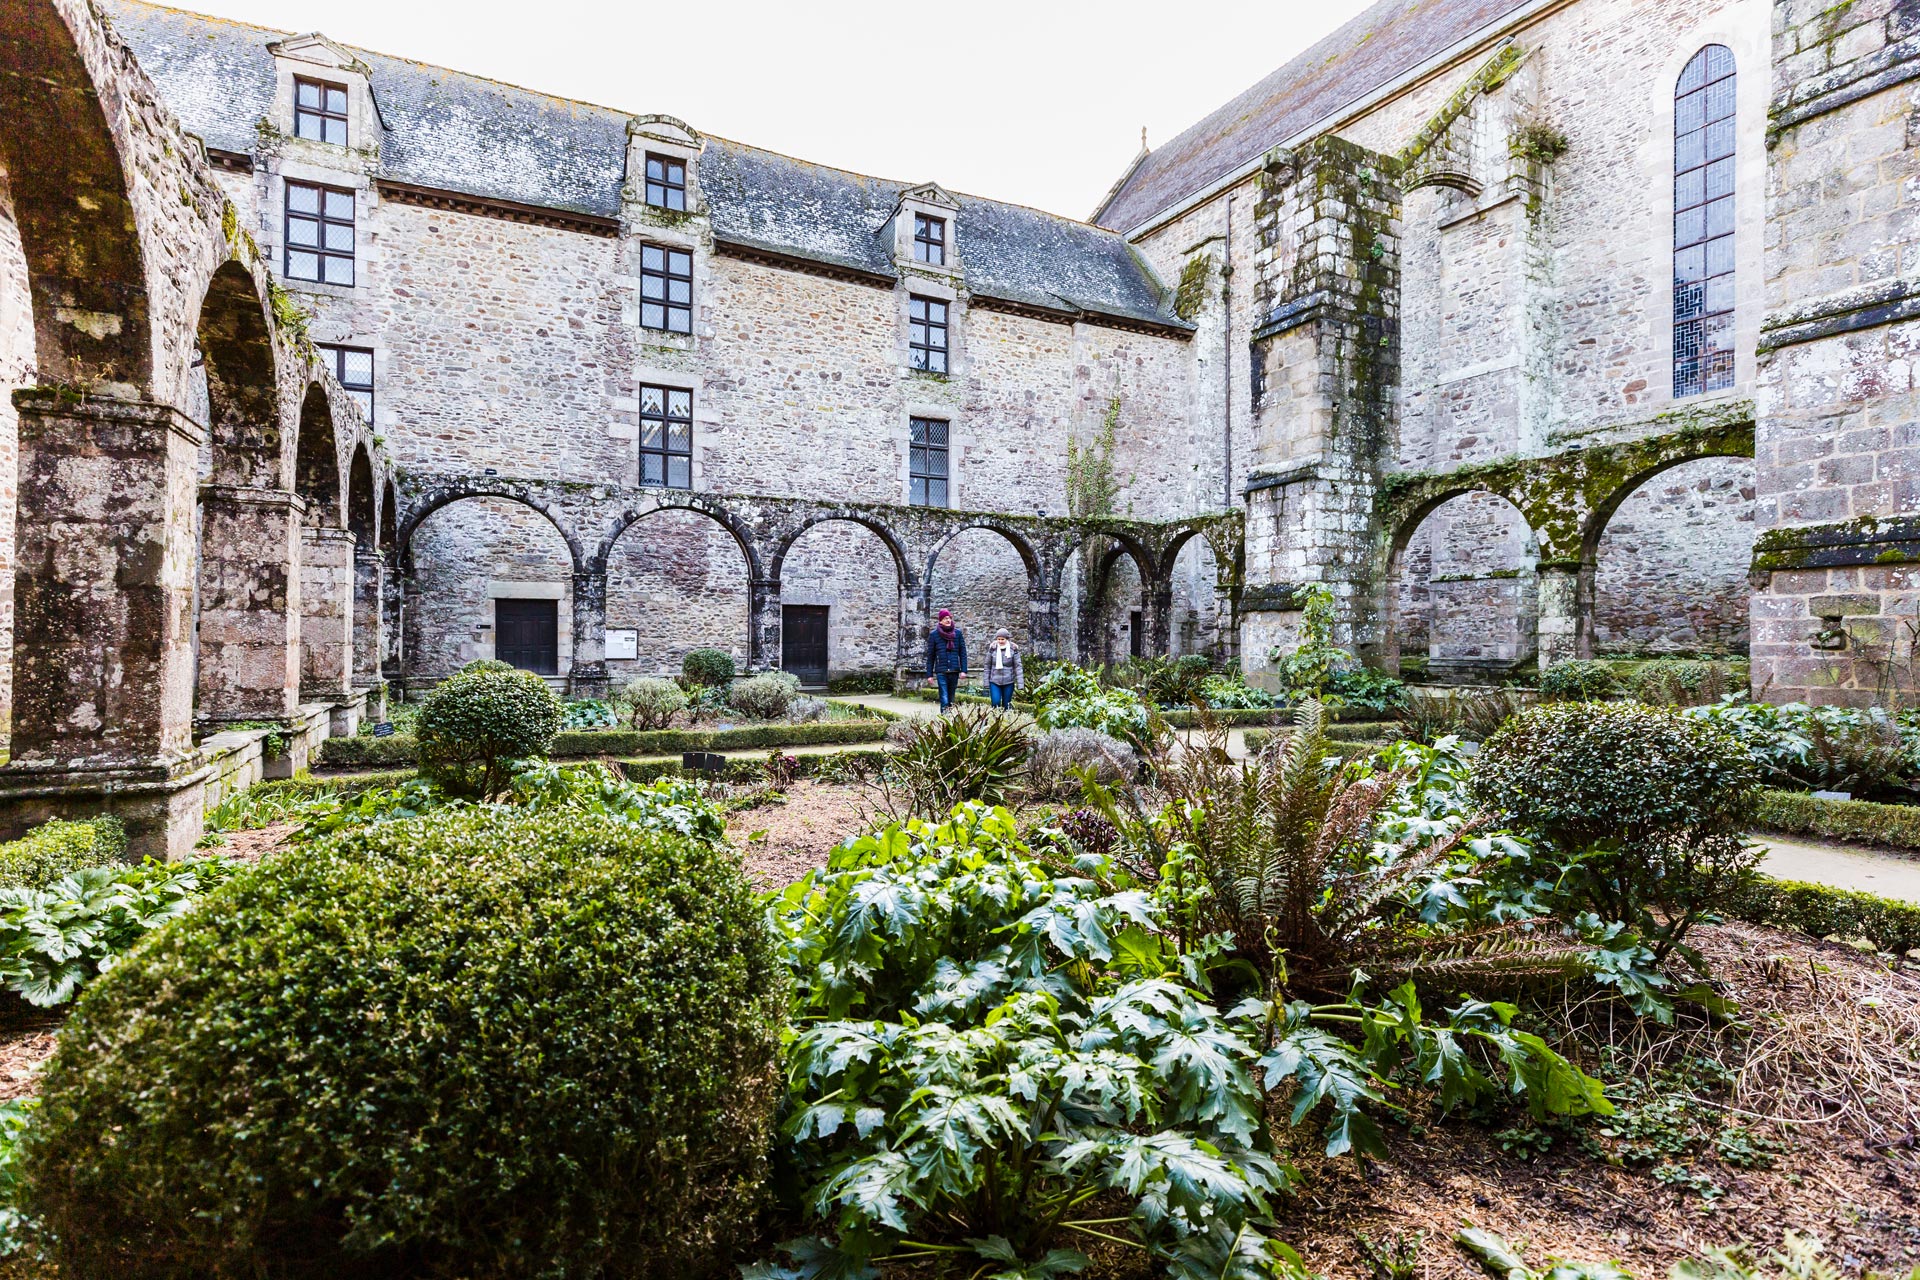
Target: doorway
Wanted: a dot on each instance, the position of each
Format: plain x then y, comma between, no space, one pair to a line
803,642
527,634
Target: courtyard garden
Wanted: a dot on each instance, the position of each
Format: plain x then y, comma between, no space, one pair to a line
1129,981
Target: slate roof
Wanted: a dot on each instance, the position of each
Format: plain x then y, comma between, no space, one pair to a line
1384,42
467,134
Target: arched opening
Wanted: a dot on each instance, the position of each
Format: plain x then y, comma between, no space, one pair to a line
1104,604
981,575
487,577
75,220
316,463
392,585
677,580
1199,611
1670,562
363,524
1467,598
326,555
250,663
841,599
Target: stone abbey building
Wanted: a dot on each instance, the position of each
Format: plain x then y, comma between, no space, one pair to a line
1535,328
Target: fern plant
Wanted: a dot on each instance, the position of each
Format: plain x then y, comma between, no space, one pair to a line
973,753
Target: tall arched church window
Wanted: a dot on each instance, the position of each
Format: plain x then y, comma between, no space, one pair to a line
1703,224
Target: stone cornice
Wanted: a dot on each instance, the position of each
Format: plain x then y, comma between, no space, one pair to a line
1863,307
1885,68
592,224
1869,540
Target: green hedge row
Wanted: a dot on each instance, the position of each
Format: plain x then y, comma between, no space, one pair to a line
576,743
751,769
59,848
1796,813
1348,746
1825,912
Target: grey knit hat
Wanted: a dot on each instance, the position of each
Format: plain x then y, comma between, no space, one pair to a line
1003,634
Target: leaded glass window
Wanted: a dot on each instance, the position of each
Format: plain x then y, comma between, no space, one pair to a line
927,334
319,231
666,437
927,463
666,289
1703,224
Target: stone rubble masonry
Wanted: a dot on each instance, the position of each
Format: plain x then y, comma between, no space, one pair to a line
1838,445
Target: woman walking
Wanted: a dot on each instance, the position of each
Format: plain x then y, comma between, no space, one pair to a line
946,658
1003,669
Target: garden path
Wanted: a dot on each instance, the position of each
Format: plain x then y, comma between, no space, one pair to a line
1843,867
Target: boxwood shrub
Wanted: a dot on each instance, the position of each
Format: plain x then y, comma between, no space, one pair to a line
480,1043
707,668
1895,826
60,848
476,723
1826,912
632,742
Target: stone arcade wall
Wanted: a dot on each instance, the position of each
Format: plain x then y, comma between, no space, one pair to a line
16,369
1838,440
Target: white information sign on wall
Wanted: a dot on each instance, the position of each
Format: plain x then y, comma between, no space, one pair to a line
623,644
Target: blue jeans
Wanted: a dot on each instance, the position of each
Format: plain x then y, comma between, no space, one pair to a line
1000,695
946,682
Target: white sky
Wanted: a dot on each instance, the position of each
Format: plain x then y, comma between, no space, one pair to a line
1035,101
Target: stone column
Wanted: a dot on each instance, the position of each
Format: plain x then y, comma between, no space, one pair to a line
103,622
587,677
394,593
326,613
763,614
369,615
250,544
911,665
1566,611
1043,622
1156,606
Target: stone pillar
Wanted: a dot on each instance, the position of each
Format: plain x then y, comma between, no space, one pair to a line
1043,622
249,630
369,616
326,613
763,613
1156,606
1566,612
395,590
103,622
587,677
913,632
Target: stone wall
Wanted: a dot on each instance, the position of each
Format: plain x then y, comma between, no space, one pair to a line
679,581
1838,448
465,556
847,569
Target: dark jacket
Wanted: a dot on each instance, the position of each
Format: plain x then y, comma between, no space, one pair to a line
944,654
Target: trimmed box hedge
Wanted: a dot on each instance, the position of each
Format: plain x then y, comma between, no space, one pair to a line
1795,813
60,848
751,768
1826,912
578,743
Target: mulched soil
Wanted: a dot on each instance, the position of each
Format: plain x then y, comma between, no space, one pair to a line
26,1042
786,838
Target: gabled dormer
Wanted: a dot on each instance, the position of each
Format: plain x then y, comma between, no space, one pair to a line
663,171
324,109
924,225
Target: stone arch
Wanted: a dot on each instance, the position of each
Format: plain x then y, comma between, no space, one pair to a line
86,266
1669,559
1191,595
363,503
1036,571
1106,625
463,553
369,570
844,599
712,510
434,500
389,517
1463,591
235,336
679,577
1591,531
316,463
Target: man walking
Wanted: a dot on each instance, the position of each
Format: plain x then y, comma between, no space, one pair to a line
946,659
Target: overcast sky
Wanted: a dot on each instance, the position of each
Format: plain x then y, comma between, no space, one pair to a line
1034,101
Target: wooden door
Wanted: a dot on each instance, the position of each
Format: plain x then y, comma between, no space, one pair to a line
526,633
803,642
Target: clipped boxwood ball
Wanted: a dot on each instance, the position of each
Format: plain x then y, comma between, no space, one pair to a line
709,668
478,721
1589,771
479,1043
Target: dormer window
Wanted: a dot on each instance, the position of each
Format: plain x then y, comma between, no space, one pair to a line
320,111
666,182
929,240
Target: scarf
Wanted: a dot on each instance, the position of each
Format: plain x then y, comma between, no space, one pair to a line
946,634
1002,654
